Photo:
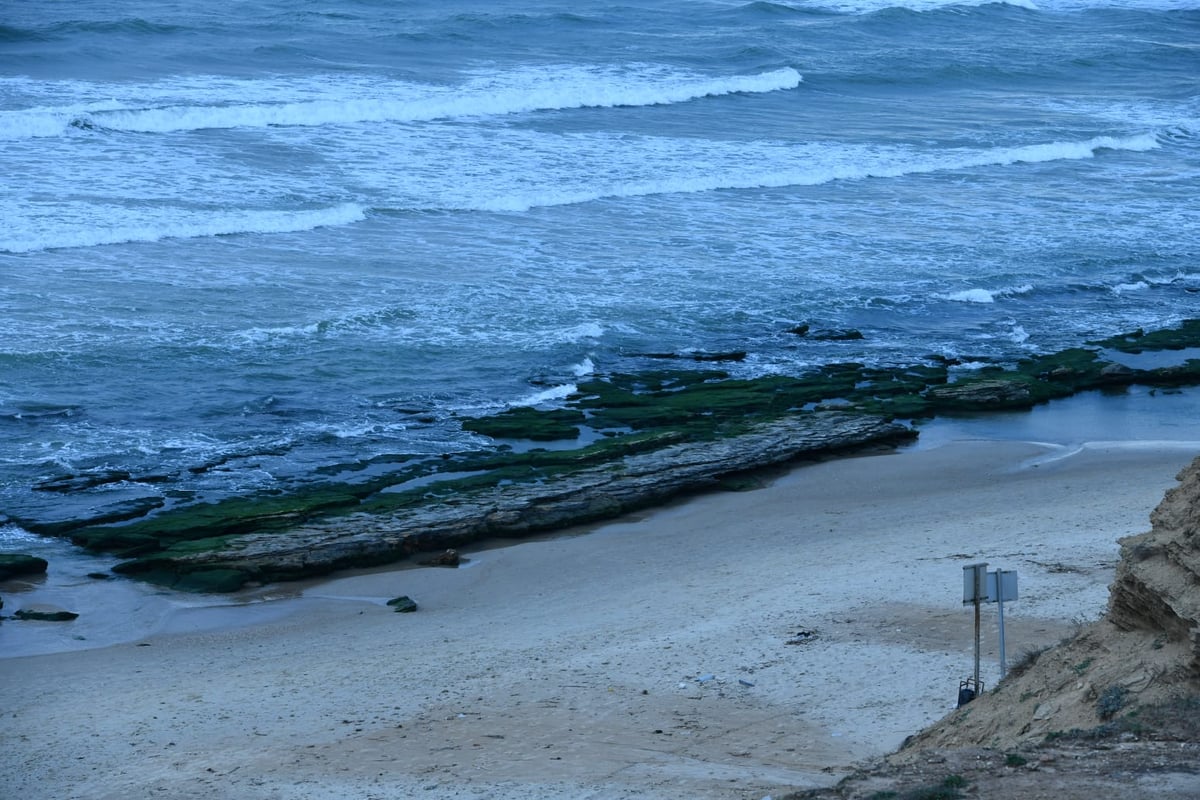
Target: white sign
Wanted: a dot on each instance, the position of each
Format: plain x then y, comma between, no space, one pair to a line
982,586
975,583
1001,585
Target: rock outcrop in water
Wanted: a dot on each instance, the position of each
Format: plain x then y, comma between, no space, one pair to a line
609,423
519,509
16,565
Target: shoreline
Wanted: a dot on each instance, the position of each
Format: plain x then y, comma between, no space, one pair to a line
620,443
1133,419
577,665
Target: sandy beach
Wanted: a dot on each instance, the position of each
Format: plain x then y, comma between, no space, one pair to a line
732,645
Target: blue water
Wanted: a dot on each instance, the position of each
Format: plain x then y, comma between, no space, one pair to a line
240,241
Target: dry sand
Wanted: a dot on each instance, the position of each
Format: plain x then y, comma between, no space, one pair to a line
730,646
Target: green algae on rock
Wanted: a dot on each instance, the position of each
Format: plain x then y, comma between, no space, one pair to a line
596,491
16,565
607,432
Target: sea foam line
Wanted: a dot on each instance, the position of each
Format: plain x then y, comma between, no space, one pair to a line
891,166
512,94
217,225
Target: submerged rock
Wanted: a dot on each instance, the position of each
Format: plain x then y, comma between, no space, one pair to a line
15,565
450,558
45,613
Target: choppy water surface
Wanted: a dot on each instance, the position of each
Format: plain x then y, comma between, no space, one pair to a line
278,235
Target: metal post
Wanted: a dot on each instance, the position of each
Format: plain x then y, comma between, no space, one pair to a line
975,591
977,643
1000,609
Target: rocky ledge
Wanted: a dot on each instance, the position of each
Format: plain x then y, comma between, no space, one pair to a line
515,509
622,441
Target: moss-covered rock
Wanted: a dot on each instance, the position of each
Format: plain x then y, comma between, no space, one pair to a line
624,416
403,604
528,423
45,613
15,565
1185,336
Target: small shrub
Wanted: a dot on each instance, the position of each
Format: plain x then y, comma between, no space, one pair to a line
1111,701
1022,664
1015,760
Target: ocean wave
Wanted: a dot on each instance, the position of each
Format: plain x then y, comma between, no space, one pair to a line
1053,6
33,123
895,164
550,395
223,224
515,92
863,7
10,34
984,295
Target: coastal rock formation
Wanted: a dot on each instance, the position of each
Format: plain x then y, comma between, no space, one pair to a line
1157,587
519,509
15,565
45,613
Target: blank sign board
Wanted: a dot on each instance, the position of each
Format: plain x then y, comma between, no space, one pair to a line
988,587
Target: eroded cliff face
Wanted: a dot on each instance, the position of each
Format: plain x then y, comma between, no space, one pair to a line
1117,675
1157,587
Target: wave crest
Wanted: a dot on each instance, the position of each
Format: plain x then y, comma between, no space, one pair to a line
223,224
868,165
521,91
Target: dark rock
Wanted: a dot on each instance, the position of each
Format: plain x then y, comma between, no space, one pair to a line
799,330
78,483
13,565
733,355
213,581
42,613
1116,371
403,604
983,394
70,515
449,558
836,335
528,423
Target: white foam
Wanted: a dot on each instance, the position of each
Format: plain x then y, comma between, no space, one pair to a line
795,166
585,330
872,6
150,228
584,368
984,295
225,104
1017,334
550,395
16,535
972,296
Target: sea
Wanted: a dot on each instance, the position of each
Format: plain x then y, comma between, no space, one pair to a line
243,241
